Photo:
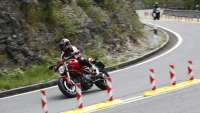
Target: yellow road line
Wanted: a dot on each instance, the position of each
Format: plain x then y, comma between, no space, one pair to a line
96,107
172,88
147,94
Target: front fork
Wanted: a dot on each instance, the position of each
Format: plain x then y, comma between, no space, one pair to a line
66,76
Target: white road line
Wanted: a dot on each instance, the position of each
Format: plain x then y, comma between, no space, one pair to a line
138,98
180,40
141,97
28,93
129,100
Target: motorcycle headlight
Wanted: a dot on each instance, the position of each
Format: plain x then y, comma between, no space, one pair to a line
61,69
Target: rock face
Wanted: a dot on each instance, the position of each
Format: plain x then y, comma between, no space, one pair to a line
13,38
30,29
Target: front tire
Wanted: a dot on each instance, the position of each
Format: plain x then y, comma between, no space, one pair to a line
69,90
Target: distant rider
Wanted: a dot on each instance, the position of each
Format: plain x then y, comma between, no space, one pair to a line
156,12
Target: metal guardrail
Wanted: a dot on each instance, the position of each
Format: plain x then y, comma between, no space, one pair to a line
182,13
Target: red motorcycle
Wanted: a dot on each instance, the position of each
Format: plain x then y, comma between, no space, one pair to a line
72,72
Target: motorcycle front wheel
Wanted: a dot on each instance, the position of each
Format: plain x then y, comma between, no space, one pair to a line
68,89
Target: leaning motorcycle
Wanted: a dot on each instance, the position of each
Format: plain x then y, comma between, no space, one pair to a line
72,72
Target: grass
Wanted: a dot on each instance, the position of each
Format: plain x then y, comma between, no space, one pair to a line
31,75
40,73
17,78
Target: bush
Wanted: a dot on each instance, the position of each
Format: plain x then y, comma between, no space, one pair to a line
84,3
92,11
186,4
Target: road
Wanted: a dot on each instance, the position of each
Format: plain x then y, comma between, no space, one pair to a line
132,82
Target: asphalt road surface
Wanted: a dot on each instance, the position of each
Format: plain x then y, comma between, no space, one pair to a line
132,82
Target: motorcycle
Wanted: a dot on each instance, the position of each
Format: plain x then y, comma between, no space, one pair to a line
156,14
72,72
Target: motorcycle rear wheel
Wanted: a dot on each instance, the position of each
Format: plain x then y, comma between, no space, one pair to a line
68,89
101,83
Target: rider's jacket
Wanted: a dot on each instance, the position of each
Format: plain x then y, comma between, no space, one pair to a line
71,51
156,10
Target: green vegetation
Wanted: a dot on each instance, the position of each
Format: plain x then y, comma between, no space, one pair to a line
30,75
109,5
103,29
183,4
112,22
36,74
40,74
93,12
18,77
50,13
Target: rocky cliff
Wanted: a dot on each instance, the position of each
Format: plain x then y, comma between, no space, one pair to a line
13,36
31,29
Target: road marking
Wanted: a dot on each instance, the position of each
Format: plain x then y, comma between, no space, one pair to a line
95,107
119,102
172,88
180,40
27,93
129,100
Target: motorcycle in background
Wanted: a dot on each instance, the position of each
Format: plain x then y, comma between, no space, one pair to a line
156,11
156,14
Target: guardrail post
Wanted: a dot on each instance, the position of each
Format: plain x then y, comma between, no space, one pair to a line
44,101
152,79
190,71
109,88
79,95
172,74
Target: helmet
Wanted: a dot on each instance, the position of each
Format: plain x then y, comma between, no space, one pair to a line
156,4
65,44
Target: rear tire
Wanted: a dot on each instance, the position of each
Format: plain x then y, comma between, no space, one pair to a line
69,90
102,84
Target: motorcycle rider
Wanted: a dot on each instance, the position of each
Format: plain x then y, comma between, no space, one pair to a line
69,50
156,11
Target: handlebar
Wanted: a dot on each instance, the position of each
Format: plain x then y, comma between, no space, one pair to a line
67,58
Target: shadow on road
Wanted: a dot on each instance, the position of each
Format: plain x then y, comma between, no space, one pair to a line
92,91
60,96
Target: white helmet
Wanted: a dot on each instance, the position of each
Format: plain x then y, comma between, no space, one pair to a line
65,44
